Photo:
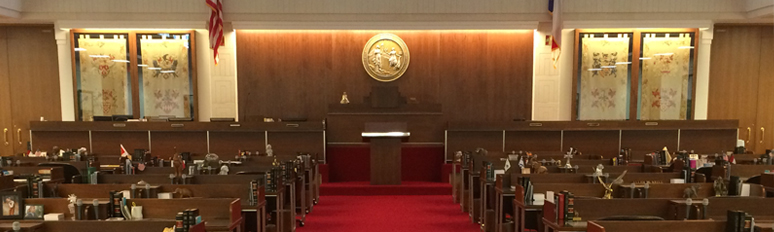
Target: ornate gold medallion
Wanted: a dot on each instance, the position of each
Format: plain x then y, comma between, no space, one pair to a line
385,57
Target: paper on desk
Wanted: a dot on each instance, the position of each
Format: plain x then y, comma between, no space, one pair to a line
745,190
549,196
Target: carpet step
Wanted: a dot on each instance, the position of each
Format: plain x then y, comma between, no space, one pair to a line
365,189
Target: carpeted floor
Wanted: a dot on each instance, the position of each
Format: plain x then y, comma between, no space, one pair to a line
429,213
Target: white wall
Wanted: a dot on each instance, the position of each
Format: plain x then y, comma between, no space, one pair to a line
10,8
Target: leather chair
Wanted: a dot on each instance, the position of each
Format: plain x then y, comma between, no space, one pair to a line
631,218
71,173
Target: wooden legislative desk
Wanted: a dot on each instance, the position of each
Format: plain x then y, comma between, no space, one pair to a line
222,138
662,202
604,138
648,226
220,214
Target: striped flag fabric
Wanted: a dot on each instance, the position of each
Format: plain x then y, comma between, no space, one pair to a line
124,153
554,7
215,26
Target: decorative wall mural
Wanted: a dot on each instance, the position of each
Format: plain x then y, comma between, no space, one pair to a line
103,77
665,81
166,79
385,57
604,79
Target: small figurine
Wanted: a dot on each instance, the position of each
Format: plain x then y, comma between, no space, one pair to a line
223,170
269,151
720,187
691,192
72,199
608,188
537,168
182,193
619,179
177,164
344,99
598,170
211,161
569,156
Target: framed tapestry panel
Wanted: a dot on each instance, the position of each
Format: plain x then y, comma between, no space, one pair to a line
604,76
159,82
634,74
165,75
666,75
104,83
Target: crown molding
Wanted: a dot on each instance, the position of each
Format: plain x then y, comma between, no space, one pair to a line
143,25
383,25
639,24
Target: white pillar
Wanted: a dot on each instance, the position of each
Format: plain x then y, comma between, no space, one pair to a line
565,75
65,74
703,73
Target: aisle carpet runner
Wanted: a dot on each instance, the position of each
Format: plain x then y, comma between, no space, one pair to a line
426,213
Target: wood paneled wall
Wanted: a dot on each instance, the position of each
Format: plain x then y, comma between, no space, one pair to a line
29,83
474,75
741,81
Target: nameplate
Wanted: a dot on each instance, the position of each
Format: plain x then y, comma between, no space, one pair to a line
536,124
119,125
651,123
291,125
177,125
234,125
385,134
592,124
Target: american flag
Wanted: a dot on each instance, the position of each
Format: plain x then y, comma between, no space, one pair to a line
554,7
216,26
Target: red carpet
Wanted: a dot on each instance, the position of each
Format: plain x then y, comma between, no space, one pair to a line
387,214
353,163
362,188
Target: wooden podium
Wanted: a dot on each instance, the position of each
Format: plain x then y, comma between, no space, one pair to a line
385,139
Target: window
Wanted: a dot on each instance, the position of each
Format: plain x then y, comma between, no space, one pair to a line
160,82
611,84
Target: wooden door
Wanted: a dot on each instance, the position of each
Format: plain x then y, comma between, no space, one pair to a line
6,121
34,74
734,67
765,117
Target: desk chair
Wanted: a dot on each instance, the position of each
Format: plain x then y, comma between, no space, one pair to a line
707,171
250,173
631,218
71,173
754,180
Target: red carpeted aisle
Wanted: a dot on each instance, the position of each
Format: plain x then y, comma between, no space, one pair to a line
436,213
